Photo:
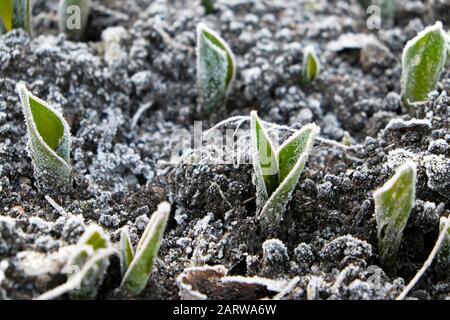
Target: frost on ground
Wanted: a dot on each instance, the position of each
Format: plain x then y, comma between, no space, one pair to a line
133,85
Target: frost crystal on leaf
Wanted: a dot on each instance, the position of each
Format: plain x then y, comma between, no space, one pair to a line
444,253
140,268
423,61
49,141
393,204
215,68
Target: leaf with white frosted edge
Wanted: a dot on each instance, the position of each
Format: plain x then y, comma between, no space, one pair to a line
423,61
393,204
444,253
126,250
215,68
75,282
22,15
90,243
6,16
49,140
73,18
311,65
140,269
292,156
265,163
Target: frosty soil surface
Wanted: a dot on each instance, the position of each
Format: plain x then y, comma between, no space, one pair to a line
121,161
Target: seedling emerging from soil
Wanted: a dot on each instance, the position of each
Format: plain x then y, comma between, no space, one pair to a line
138,271
49,142
393,204
15,14
215,68
92,243
445,249
208,5
311,65
73,18
126,250
277,172
422,63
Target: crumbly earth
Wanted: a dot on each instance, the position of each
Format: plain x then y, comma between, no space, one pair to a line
133,84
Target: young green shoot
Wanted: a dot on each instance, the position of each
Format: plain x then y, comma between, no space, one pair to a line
277,171
216,68
423,61
393,204
49,142
86,266
15,14
208,5
139,269
311,65
73,18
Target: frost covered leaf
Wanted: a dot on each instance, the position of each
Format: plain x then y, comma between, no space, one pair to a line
215,68
311,65
264,161
93,241
73,18
49,141
292,156
444,253
126,250
393,204
422,63
208,5
139,271
15,14
6,15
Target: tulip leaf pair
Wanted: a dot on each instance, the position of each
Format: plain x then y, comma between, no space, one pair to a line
216,68
277,171
393,204
137,266
49,142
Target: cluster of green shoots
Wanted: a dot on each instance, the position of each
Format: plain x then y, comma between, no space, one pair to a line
73,17
90,260
277,170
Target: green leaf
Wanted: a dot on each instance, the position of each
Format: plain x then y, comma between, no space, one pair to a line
422,64
73,18
139,271
6,15
215,68
311,65
126,250
292,156
444,253
93,240
208,5
22,15
49,140
393,204
264,160
75,282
